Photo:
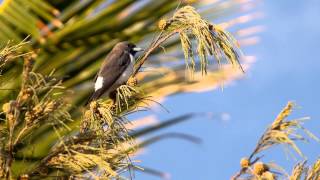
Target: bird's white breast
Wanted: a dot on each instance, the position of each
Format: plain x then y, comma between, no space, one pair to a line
99,83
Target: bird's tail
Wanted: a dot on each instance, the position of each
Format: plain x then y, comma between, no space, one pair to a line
94,96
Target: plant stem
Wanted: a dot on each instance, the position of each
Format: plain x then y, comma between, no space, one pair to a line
154,45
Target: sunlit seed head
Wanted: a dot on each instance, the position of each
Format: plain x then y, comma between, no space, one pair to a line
24,177
93,105
259,168
162,24
244,163
6,108
268,175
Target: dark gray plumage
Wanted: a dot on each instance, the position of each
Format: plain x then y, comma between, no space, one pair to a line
115,70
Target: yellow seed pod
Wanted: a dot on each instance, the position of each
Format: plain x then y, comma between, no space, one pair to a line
244,163
190,1
49,107
132,81
57,23
37,110
24,177
56,12
1,166
34,55
42,40
87,114
268,176
162,24
259,168
93,105
6,108
28,117
216,28
26,94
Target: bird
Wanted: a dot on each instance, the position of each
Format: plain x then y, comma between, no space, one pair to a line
115,70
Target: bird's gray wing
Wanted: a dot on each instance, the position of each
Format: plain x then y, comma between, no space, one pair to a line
111,69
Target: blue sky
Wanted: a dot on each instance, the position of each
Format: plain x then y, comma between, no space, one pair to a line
287,69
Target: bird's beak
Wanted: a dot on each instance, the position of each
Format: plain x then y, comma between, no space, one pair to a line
137,49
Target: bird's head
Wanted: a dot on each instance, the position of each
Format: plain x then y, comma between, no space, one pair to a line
128,46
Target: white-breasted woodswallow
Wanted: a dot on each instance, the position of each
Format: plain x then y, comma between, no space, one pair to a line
116,69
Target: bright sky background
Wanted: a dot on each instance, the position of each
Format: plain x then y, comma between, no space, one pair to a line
287,69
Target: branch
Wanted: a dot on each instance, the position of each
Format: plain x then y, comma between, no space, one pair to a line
154,45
